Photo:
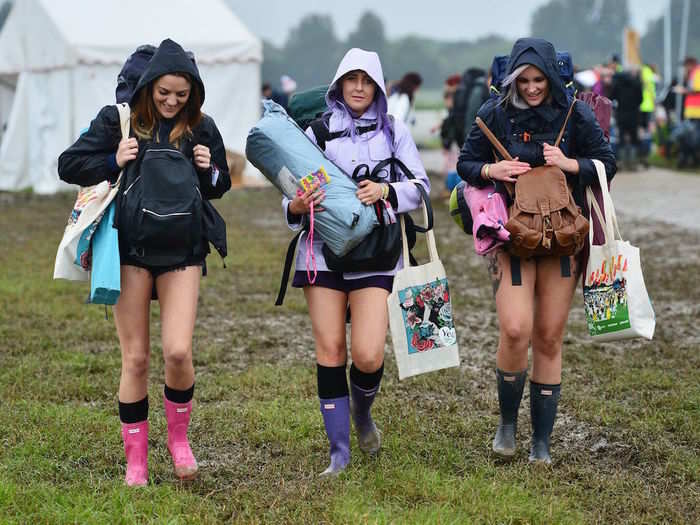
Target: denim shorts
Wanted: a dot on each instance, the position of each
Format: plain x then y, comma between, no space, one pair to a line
335,281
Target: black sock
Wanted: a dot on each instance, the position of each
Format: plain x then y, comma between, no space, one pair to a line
332,381
134,412
179,396
366,381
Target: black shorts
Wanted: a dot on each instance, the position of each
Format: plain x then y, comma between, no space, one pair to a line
157,271
335,281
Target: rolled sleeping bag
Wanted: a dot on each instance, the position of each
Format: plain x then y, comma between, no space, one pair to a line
280,149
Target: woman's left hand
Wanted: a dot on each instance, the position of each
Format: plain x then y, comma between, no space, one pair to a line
369,192
553,156
202,157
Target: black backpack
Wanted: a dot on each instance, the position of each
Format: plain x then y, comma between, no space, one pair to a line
133,68
161,213
462,114
131,72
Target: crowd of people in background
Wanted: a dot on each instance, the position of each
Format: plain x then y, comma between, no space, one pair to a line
646,119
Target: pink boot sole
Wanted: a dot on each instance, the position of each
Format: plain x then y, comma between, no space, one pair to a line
135,436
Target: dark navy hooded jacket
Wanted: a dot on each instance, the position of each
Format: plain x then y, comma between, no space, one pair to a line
583,139
91,159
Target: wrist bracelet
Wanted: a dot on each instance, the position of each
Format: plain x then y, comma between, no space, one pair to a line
486,172
385,191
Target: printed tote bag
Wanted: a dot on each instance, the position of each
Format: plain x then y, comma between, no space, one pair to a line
420,314
614,295
91,203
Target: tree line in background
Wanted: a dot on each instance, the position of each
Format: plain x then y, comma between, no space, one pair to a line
590,29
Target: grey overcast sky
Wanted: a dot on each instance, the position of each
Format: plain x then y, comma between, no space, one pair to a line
439,19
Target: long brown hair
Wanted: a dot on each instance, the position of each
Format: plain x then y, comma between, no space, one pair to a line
144,114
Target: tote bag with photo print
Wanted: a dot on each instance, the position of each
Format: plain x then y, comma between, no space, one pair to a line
420,314
615,297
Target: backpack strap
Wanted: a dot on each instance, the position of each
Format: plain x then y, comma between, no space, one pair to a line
288,260
510,187
323,134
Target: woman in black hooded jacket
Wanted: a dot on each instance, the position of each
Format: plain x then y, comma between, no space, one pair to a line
173,150
533,296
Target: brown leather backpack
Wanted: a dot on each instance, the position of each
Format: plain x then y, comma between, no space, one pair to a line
544,219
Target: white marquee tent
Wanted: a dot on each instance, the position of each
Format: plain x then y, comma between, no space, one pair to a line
59,61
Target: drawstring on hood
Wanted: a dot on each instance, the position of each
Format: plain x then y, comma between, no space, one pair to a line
367,61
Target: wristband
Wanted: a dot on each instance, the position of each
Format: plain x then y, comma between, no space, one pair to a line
486,172
385,191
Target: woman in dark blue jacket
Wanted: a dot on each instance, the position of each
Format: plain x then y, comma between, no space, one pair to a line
533,296
173,150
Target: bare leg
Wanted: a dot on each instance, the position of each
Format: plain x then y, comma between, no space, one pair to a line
327,311
131,317
514,304
177,292
370,319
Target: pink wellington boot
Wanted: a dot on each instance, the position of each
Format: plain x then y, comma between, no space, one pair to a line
135,436
178,417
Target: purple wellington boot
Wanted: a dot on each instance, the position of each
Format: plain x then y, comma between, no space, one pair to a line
336,418
368,436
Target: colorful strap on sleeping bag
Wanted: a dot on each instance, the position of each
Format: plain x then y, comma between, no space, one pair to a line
310,256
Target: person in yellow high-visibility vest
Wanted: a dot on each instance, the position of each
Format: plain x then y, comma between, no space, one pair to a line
646,111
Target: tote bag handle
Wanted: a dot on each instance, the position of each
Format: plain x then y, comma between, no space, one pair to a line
429,233
606,217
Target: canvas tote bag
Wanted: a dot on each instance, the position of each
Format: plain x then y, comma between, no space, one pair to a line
90,205
614,295
420,313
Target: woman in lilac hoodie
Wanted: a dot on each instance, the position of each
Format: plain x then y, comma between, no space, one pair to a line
356,99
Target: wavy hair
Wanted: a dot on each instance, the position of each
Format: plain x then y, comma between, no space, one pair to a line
145,115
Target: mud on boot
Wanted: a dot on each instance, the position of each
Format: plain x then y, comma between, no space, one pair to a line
336,419
510,393
369,438
135,436
544,400
178,418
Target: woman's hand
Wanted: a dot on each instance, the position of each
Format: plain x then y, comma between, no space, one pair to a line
301,204
507,170
553,156
202,157
128,150
369,192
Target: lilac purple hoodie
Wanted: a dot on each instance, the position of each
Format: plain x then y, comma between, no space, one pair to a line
349,151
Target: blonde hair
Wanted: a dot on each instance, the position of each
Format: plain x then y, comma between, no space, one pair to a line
512,96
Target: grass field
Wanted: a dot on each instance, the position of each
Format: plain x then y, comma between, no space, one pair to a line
626,444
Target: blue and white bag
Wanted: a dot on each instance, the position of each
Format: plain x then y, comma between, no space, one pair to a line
105,276
280,149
